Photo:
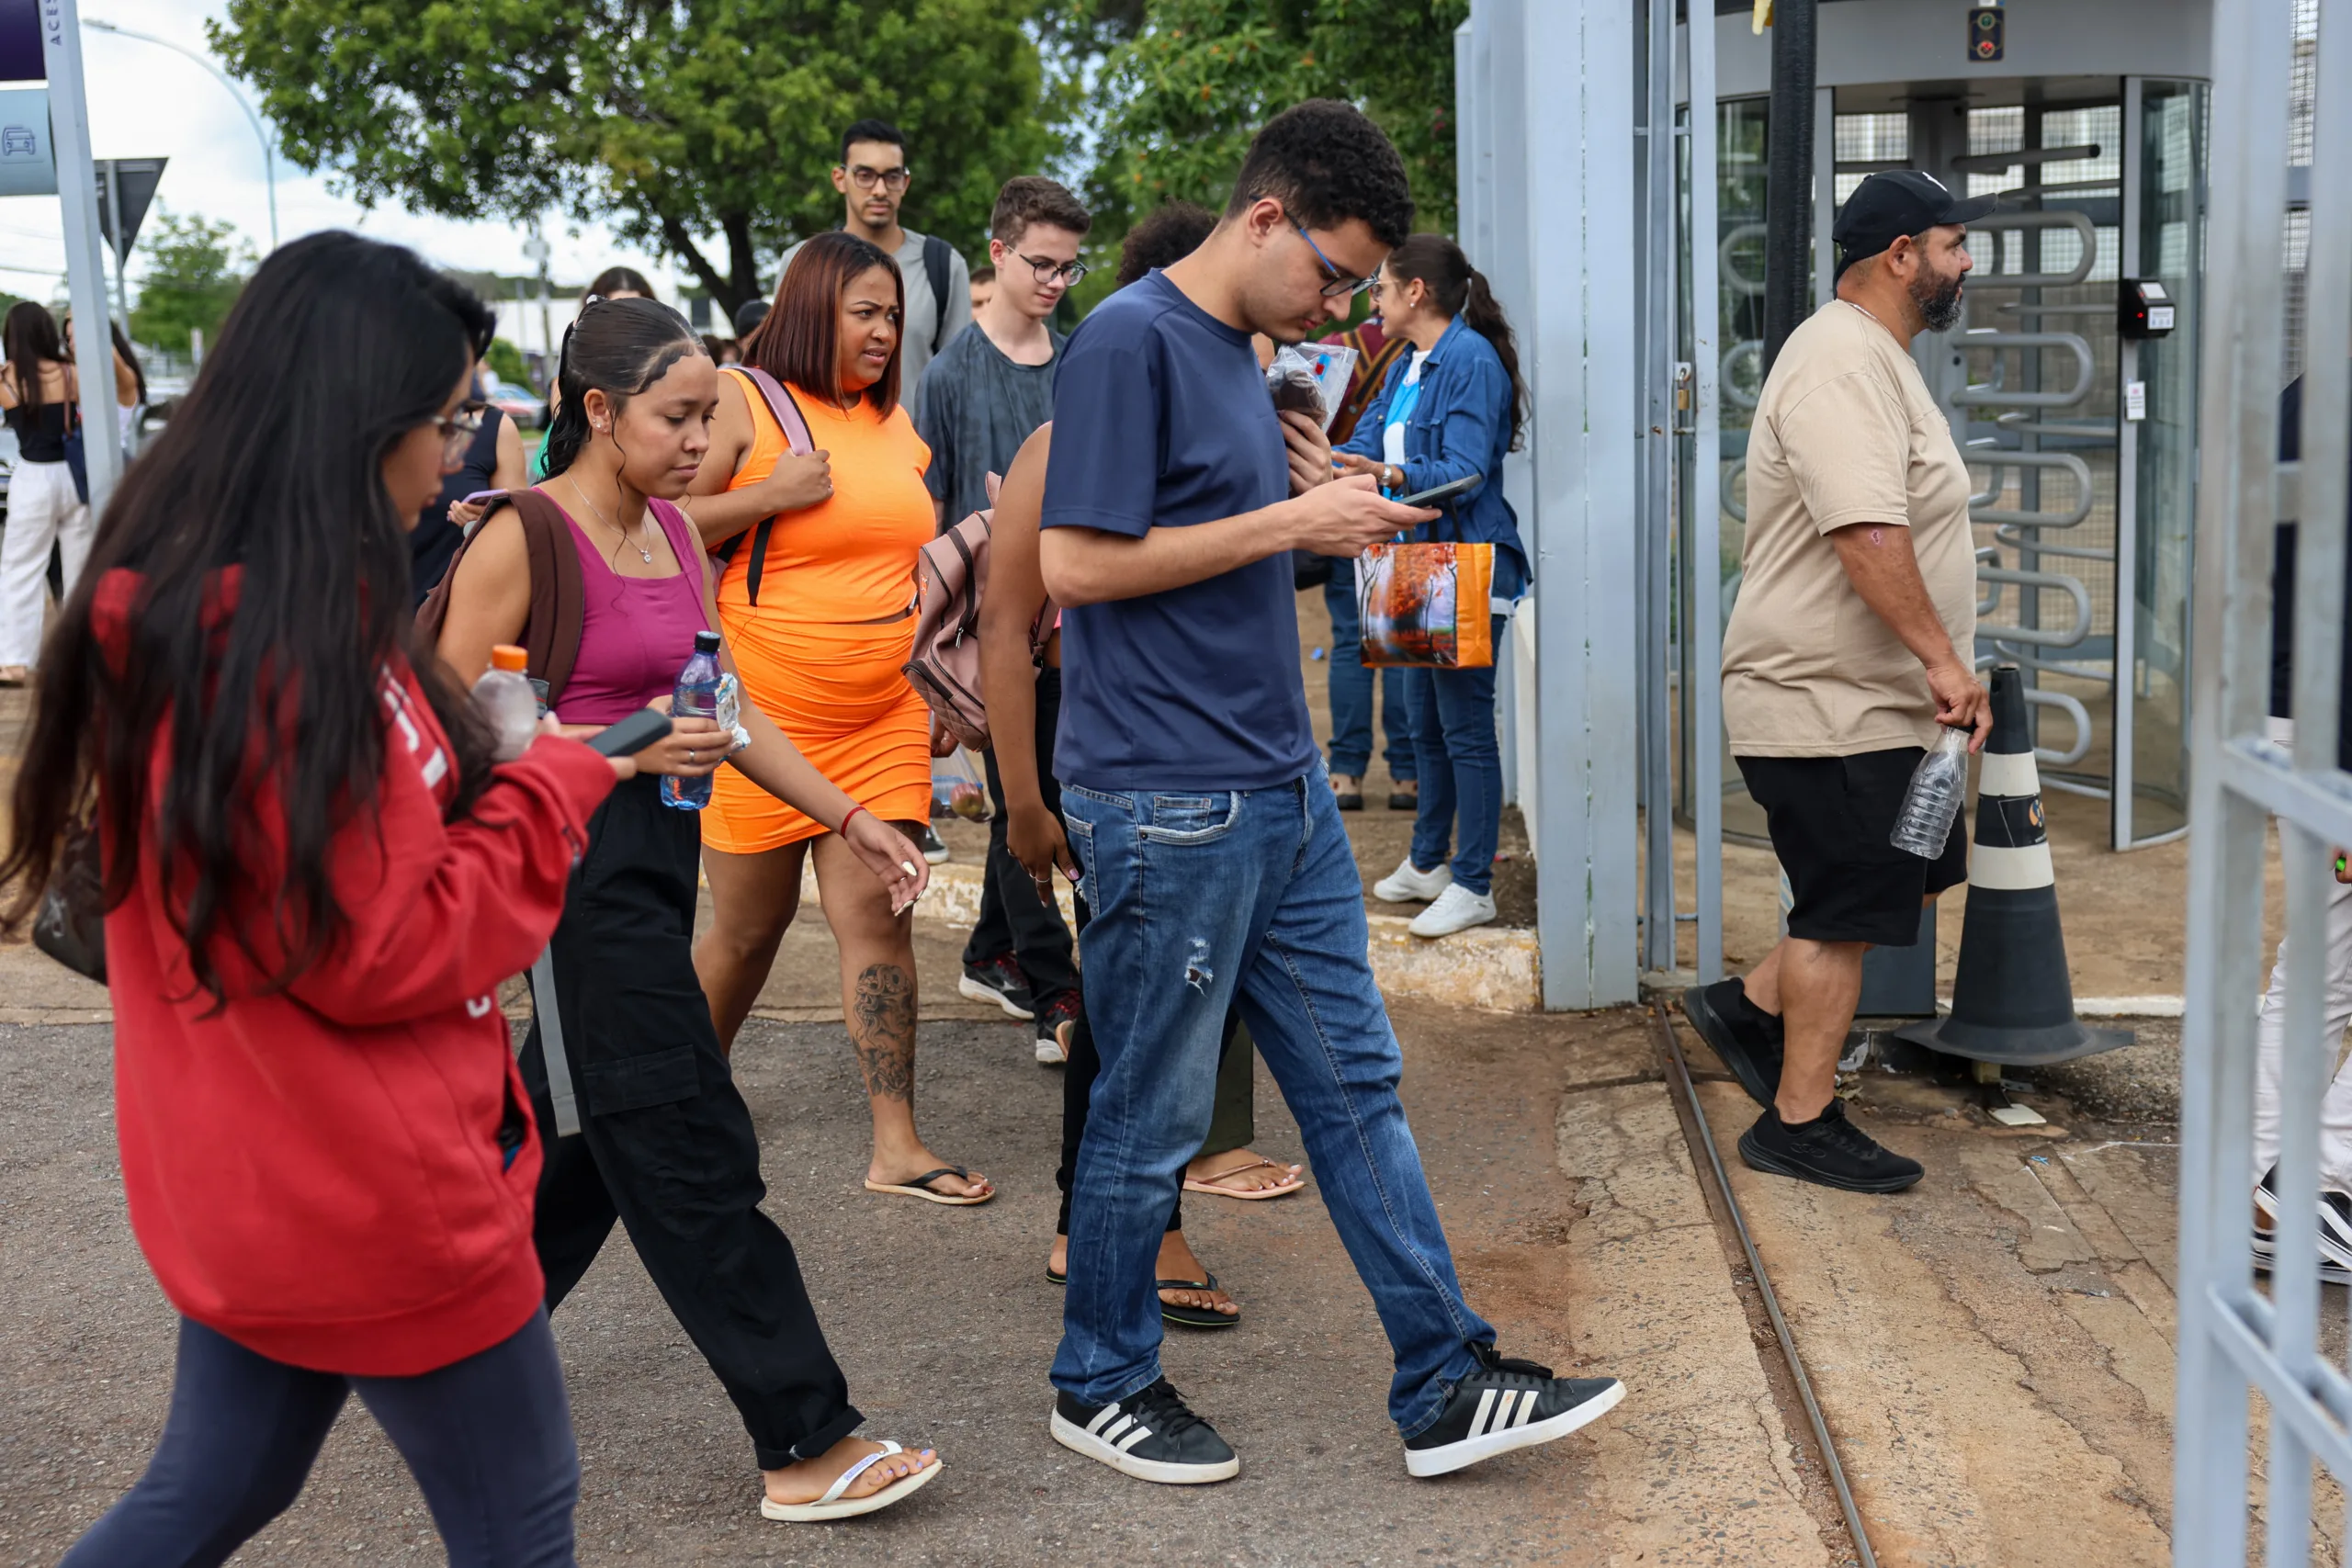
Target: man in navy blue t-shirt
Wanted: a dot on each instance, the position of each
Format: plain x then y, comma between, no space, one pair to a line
1211,848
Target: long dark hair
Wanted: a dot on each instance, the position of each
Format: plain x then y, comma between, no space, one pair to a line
800,340
122,345
618,347
30,337
337,349
612,280
1457,288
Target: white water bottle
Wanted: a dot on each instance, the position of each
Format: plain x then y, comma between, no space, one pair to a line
1929,807
504,695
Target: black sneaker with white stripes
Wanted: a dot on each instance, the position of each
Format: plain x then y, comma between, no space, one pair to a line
1151,1436
1506,1404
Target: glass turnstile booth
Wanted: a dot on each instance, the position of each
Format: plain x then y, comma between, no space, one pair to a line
2082,443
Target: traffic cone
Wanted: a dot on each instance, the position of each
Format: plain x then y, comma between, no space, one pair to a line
2011,999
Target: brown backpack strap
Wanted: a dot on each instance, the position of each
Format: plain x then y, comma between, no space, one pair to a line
559,598
785,411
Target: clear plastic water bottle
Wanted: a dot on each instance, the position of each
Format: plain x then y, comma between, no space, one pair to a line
504,695
696,696
1932,803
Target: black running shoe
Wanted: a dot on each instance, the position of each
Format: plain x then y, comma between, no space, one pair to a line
2335,1220
2266,1259
933,851
1150,1436
1828,1150
1748,1039
999,980
1506,1404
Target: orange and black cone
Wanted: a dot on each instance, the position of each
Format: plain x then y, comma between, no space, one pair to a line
2011,999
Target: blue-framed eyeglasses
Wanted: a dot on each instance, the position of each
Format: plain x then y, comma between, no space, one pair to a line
1341,285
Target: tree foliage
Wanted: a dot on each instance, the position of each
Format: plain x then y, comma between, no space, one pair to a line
195,271
675,120
1182,89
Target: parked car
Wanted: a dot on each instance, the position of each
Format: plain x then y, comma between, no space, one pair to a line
526,408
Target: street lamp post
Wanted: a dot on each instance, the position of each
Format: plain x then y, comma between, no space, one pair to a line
268,152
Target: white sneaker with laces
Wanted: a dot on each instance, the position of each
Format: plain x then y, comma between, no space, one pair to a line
1456,909
1409,885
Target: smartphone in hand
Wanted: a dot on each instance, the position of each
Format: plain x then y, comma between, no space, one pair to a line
631,735
1437,493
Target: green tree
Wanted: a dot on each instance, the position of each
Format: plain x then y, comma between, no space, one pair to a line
673,121
505,361
195,271
1185,85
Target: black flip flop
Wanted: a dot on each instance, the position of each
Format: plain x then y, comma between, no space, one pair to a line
1193,1318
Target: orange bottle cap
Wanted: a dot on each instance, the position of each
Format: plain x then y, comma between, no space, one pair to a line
506,656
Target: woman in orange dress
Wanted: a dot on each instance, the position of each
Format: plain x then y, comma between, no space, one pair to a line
820,631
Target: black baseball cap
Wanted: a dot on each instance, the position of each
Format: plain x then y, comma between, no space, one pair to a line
1896,202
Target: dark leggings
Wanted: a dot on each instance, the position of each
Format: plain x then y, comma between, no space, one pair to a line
666,1146
489,1439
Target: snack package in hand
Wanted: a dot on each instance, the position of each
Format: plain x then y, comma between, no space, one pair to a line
955,784
1311,377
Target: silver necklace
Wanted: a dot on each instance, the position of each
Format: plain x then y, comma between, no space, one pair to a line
646,554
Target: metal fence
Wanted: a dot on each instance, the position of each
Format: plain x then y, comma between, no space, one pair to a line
2245,1350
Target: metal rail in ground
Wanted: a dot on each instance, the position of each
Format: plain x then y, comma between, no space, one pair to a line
1677,1079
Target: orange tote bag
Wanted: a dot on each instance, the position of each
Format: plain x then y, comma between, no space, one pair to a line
1427,605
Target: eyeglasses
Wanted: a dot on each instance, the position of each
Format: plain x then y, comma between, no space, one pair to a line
1047,269
1339,285
865,178
458,431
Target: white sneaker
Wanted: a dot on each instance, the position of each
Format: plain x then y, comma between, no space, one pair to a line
1409,885
1456,909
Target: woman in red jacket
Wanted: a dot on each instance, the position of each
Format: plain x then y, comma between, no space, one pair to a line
316,881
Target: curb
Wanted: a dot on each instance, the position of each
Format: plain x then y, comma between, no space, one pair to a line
1493,968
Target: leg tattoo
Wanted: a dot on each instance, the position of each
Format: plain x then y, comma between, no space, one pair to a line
882,1027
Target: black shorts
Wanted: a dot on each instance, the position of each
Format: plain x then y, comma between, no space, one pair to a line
1830,818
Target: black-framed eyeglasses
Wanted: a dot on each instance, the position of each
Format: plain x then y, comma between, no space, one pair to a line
1047,269
865,178
458,431
1338,285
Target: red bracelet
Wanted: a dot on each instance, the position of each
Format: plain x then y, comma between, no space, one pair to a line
853,811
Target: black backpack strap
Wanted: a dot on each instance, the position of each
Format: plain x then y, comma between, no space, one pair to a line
936,256
759,559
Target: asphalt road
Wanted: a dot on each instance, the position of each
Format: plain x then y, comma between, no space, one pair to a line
943,1318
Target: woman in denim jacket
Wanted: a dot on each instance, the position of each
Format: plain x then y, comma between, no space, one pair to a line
1449,411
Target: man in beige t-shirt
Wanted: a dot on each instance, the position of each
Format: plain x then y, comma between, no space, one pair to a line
1852,639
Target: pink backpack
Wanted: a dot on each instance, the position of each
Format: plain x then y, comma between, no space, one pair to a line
951,573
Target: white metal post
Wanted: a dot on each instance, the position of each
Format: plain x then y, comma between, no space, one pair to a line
85,265
1574,66
1702,679
1654,447
2232,1335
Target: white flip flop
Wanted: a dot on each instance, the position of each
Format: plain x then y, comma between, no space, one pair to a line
832,1505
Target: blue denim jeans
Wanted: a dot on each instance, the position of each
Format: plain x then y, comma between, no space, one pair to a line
1461,768
1201,899
1351,692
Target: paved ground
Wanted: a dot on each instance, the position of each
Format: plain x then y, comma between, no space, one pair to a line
1553,1151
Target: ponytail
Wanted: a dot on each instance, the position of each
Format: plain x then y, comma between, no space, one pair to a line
618,347
1457,288
1483,314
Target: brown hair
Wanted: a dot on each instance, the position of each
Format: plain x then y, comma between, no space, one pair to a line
1457,288
1032,199
800,340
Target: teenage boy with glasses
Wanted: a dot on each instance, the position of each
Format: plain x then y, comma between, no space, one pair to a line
872,177
983,395
1210,849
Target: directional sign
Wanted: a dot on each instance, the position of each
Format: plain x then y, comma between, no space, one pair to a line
126,185
21,57
27,161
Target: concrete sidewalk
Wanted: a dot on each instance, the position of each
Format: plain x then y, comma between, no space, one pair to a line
1565,1184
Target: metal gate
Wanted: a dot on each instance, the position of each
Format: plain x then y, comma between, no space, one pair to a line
2236,1338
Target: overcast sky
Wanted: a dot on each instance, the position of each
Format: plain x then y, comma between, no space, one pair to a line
148,102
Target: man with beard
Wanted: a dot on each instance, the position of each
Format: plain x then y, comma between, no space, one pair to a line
1853,639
